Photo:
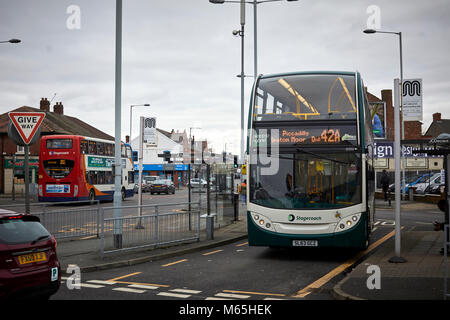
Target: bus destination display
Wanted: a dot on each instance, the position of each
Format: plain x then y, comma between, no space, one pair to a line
314,135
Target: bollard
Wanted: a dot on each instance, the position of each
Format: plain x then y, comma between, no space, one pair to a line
210,227
411,194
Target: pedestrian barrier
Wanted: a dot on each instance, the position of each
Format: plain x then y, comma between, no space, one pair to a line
149,226
79,221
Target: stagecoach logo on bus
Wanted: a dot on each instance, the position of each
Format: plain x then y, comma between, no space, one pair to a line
58,153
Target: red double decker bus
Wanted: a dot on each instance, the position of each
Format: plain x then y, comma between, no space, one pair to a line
74,168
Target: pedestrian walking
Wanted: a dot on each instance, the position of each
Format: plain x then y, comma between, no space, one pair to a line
244,192
385,184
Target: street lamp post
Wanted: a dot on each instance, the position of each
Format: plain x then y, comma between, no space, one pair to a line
255,25
399,106
255,51
117,148
131,114
189,172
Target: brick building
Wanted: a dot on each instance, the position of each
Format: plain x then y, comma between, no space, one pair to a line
55,122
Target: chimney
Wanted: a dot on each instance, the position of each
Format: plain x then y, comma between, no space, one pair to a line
436,117
44,105
58,108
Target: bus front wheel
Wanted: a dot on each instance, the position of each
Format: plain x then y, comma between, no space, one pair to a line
123,194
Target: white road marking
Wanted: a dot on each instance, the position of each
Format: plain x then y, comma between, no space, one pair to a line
231,295
141,286
174,295
216,298
129,290
93,286
186,291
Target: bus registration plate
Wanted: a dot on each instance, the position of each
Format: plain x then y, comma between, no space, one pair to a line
305,243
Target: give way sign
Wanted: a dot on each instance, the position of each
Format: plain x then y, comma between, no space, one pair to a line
26,123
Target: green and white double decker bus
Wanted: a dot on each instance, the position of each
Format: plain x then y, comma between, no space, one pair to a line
310,164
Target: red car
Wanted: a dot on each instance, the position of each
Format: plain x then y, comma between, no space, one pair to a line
29,267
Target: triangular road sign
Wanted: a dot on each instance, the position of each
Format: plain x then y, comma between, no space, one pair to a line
26,123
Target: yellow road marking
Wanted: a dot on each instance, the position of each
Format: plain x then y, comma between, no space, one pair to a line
242,244
212,252
320,282
256,293
125,276
172,263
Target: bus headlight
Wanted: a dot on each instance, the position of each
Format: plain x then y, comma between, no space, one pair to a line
347,222
262,221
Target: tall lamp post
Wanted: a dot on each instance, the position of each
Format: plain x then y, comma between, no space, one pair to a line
399,106
117,132
255,50
131,114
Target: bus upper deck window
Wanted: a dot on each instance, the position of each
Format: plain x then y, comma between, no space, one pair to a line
84,147
92,147
100,148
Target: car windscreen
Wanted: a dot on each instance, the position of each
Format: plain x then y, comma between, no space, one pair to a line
18,230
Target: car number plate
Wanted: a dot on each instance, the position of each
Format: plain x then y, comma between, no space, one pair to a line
305,243
32,257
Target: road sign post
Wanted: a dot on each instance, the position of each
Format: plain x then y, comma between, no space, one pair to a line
22,129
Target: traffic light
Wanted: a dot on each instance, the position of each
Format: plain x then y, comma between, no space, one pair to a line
235,161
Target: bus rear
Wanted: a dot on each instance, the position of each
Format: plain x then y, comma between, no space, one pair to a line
60,171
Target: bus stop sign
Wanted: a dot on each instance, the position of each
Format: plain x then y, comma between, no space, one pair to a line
26,124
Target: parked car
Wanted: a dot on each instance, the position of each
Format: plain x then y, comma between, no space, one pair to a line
422,185
435,188
198,183
410,182
162,186
147,182
29,266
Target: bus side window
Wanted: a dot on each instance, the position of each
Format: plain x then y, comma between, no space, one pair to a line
100,148
92,147
84,147
109,177
108,149
101,177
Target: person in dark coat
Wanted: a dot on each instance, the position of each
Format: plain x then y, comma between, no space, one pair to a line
385,184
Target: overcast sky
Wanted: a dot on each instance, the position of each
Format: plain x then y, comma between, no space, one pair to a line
181,57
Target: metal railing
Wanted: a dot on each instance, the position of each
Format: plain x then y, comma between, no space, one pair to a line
157,225
79,221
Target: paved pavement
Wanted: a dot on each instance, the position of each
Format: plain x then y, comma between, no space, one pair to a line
421,277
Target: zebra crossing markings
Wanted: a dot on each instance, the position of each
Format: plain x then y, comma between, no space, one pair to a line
130,290
174,295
